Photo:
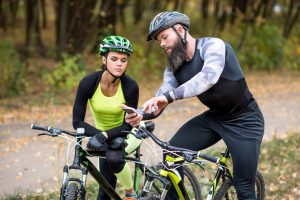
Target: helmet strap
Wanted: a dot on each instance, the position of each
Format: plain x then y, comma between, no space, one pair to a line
115,77
183,40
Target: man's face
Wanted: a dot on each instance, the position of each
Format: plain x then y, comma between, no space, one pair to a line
173,47
167,40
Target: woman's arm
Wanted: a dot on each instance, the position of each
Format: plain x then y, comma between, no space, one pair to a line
79,109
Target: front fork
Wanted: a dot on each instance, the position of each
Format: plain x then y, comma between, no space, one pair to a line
66,175
150,185
67,179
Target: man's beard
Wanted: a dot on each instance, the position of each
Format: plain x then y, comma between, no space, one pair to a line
177,56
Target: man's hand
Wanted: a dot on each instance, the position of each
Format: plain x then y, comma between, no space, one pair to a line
134,118
155,104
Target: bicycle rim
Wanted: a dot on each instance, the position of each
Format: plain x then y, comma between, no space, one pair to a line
191,184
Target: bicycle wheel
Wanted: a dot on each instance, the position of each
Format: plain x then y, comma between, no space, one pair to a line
72,191
190,183
227,191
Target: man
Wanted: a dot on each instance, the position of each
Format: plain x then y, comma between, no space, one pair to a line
208,69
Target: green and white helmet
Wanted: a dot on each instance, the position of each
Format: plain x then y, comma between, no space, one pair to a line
115,43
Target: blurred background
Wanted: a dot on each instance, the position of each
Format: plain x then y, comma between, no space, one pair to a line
46,47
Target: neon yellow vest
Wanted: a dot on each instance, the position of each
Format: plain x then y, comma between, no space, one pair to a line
107,111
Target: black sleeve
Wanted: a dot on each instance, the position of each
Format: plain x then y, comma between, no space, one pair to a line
131,93
79,108
149,116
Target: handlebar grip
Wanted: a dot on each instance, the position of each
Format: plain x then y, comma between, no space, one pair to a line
209,158
42,128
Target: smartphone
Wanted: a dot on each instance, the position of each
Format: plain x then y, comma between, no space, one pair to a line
129,111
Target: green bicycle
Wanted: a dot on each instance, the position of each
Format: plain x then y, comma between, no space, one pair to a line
74,187
223,176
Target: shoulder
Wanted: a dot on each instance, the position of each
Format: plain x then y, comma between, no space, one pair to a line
128,81
88,83
208,44
91,78
210,41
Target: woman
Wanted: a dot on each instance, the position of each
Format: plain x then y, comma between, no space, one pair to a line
106,91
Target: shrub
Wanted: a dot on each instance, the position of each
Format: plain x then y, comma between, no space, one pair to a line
12,71
67,73
263,49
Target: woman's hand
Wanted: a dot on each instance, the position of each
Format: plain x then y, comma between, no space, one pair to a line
155,104
133,118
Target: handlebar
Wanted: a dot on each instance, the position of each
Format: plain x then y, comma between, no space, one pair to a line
188,155
54,131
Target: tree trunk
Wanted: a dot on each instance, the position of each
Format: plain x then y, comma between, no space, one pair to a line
204,7
2,16
291,20
61,25
44,14
33,33
13,7
138,10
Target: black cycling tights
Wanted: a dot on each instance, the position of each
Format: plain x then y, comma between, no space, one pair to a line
114,163
242,134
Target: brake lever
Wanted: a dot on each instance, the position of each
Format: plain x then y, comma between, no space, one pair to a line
54,132
41,134
188,157
140,134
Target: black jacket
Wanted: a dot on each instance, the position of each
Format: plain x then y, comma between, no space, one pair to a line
86,90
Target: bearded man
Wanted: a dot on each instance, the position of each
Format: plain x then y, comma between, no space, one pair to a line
207,68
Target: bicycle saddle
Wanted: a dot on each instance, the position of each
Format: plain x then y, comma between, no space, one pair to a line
150,126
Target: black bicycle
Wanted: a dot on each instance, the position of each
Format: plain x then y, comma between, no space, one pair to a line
180,156
75,187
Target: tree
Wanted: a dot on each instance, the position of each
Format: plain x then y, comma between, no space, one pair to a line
291,20
33,31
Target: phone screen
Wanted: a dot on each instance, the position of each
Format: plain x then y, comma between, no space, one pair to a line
128,111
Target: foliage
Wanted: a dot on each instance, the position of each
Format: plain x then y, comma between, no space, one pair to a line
11,71
291,58
263,49
67,73
144,64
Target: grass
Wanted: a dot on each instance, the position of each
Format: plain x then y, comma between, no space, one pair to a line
279,163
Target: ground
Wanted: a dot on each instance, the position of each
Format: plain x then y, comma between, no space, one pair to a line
35,163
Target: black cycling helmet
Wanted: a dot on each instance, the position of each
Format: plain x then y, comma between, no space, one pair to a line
165,20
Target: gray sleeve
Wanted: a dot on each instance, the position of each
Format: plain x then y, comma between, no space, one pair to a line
212,51
169,83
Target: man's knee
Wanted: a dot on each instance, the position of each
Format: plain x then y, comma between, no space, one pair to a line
245,188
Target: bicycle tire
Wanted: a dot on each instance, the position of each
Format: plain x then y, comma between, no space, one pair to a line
190,182
72,191
194,191
225,193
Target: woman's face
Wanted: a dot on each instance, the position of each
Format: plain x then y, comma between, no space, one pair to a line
116,62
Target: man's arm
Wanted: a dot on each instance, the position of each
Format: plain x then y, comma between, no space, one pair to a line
212,51
169,83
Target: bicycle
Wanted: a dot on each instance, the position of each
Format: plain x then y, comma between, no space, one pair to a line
74,187
182,156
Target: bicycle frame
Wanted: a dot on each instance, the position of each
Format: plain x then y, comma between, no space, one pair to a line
172,161
223,169
175,179
82,162
81,157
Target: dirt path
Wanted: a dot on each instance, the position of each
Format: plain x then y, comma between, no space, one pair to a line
31,163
